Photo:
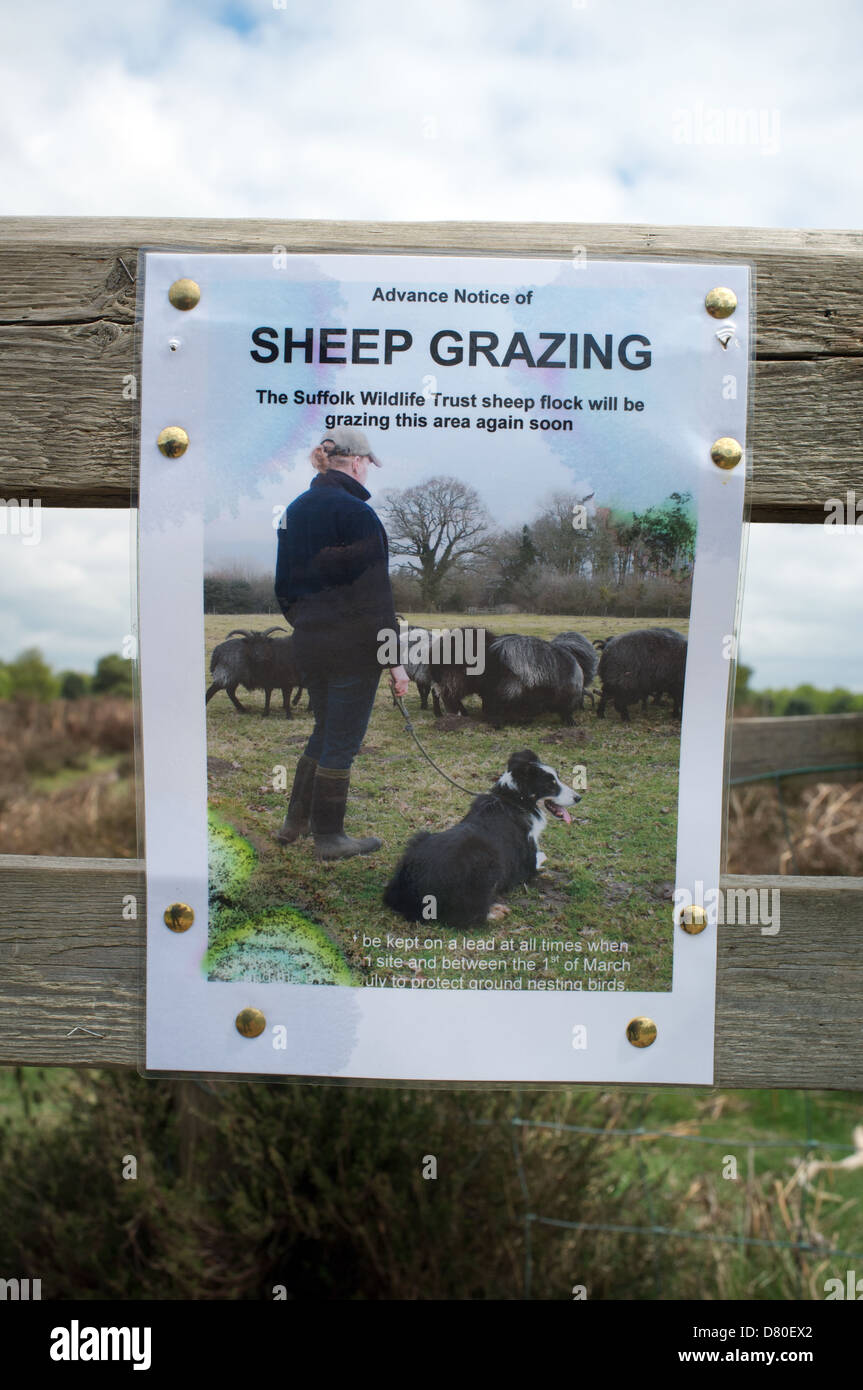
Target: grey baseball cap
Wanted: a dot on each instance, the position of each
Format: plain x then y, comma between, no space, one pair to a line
349,441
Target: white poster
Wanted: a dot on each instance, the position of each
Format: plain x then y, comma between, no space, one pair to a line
439,561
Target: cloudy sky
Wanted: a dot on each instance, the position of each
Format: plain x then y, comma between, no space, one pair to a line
465,109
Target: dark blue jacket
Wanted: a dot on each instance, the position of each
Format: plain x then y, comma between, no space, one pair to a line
332,577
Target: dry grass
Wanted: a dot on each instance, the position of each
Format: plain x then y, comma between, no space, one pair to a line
825,830
67,778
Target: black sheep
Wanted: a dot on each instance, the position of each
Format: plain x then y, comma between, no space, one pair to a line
256,661
635,665
523,677
583,650
451,681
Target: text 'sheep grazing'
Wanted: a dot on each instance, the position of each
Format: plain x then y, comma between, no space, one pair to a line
448,347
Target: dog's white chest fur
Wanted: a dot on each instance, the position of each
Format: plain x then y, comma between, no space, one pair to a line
540,821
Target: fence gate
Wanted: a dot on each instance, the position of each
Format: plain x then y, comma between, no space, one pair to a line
789,1007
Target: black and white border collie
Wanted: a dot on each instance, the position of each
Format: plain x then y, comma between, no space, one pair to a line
467,868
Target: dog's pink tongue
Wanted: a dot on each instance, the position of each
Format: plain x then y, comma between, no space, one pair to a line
566,816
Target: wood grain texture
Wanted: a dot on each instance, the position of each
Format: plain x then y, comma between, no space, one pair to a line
760,746
69,960
67,307
789,1006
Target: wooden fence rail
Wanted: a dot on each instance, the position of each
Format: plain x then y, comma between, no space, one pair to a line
814,747
67,310
789,1005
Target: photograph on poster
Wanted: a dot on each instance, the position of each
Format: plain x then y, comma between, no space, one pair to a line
457,528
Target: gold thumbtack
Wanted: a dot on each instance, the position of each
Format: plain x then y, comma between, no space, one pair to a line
179,917
185,294
693,919
726,453
251,1023
173,441
720,302
641,1032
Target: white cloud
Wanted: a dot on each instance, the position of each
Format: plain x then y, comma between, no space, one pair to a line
70,594
454,111
801,613
457,110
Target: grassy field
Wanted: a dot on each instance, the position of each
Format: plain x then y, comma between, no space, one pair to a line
608,877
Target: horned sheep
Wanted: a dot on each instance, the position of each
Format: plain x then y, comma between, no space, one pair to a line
256,661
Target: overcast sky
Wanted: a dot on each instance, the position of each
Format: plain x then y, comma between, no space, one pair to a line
460,110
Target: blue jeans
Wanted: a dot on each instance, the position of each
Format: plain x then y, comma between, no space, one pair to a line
342,706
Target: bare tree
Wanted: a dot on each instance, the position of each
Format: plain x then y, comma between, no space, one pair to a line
559,537
436,524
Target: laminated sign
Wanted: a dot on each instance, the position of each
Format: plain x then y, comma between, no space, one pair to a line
439,563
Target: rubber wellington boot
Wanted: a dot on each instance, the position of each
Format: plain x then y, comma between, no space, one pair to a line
296,822
328,818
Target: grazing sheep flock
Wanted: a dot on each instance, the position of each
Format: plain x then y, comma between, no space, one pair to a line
520,677
528,676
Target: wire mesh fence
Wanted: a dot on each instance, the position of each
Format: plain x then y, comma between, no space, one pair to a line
806,1249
